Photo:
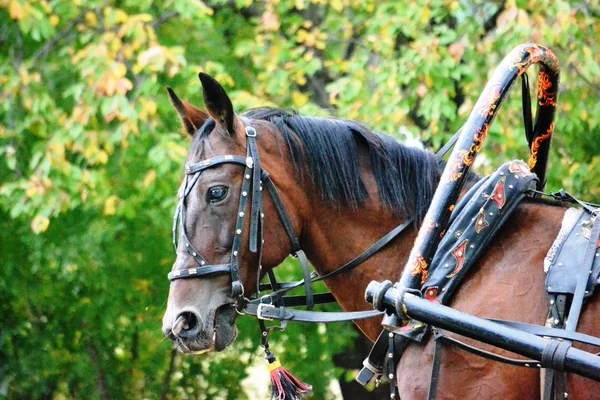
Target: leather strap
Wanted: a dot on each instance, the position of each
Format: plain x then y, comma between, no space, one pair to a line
584,274
436,364
527,119
255,210
200,271
271,312
487,354
306,273
551,332
373,364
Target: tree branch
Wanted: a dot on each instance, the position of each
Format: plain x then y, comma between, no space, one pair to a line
491,22
100,378
586,80
167,381
60,36
18,54
159,21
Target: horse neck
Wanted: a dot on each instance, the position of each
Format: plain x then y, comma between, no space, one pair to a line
334,236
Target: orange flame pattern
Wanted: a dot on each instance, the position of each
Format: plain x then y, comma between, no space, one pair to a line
535,146
420,267
546,97
465,157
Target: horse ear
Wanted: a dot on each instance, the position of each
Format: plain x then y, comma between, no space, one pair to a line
217,102
192,118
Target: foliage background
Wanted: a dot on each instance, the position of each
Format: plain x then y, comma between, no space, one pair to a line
91,156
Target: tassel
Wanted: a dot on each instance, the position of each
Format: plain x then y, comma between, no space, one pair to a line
284,385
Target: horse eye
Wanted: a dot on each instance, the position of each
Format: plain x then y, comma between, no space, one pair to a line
216,194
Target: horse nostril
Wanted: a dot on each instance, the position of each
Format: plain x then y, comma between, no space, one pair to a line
186,325
169,333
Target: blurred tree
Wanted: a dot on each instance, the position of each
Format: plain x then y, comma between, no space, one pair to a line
91,156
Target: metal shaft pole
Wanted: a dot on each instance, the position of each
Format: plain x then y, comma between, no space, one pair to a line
577,361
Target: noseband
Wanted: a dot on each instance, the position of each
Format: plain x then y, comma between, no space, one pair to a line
252,186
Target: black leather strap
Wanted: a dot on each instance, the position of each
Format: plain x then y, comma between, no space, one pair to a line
487,354
391,366
255,210
373,364
283,215
527,119
300,300
436,364
584,274
551,332
306,273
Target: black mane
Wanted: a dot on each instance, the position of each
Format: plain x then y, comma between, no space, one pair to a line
326,152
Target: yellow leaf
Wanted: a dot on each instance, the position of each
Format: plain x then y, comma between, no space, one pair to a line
102,157
40,224
150,177
31,191
179,150
337,5
573,168
110,205
299,99
91,19
16,10
120,16
428,81
120,70
425,15
300,78
54,20
205,9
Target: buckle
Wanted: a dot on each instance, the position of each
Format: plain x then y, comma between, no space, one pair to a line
259,311
250,131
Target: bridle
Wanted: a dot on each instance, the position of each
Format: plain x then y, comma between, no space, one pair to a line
254,179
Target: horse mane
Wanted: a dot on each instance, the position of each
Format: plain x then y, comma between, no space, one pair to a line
325,151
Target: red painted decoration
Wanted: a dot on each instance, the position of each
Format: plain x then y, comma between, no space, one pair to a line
498,194
431,294
459,254
481,222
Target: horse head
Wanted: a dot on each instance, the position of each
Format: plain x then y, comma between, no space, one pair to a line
218,229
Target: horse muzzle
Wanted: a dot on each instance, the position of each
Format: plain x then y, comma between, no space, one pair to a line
193,334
